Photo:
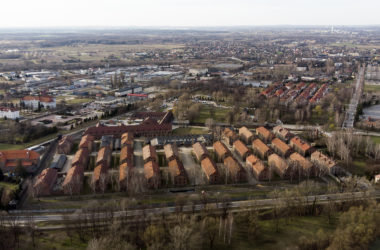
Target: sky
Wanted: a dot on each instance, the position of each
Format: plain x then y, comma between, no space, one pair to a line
176,13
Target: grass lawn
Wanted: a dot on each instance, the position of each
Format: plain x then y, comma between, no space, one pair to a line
5,146
218,116
189,130
268,238
359,167
373,88
8,185
53,240
376,139
78,100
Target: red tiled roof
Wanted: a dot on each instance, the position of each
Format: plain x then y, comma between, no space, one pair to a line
299,143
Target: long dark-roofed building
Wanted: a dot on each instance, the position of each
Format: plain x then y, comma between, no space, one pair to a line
149,127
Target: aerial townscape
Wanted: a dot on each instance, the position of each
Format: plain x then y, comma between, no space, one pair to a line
220,137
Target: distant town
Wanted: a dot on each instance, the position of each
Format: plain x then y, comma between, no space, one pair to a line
243,138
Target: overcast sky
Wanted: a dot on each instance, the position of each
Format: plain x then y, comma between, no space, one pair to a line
69,13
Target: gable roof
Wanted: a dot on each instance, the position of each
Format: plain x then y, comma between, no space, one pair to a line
199,150
176,167
126,153
299,143
18,154
302,161
220,148
149,152
264,133
171,150
280,145
244,131
261,146
151,169
209,166
241,147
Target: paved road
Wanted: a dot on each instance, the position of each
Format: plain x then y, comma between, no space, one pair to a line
235,206
352,108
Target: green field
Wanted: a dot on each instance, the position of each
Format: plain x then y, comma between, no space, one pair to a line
10,186
376,139
78,100
371,88
287,238
218,116
5,146
189,130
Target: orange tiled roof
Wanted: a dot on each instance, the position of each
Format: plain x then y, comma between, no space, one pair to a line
261,146
241,147
301,144
199,150
170,151
220,148
126,153
151,170
18,154
245,132
209,166
149,152
176,167
38,98
264,132
280,145
302,161
323,159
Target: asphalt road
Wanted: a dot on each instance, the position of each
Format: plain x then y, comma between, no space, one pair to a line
234,206
352,108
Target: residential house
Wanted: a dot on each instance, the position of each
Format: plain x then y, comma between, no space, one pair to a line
149,153
177,172
259,170
241,149
100,177
282,133
235,170
73,182
127,139
246,135
229,136
104,157
36,102
45,182
11,159
171,152
125,175
261,149
279,166
126,154
324,163
300,146
81,158
152,174
281,147
305,166
221,150
65,145
87,142
264,134
200,151
9,113
210,170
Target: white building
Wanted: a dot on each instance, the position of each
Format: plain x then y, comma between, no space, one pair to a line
34,102
9,113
